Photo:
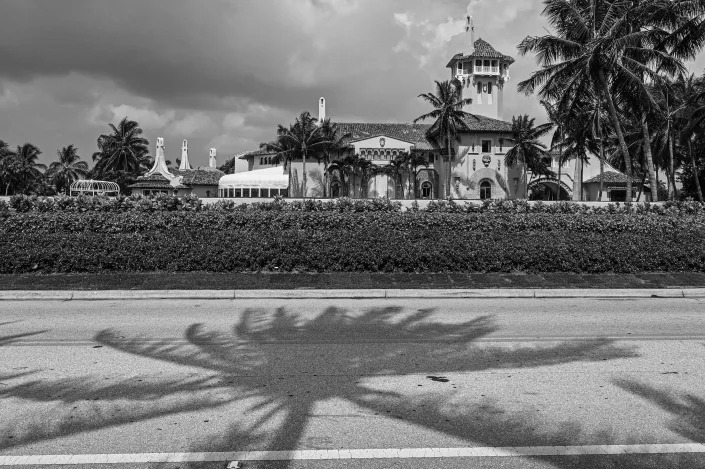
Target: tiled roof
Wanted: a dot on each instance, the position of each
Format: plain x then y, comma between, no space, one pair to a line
412,133
488,124
151,185
483,50
155,177
203,175
612,177
416,133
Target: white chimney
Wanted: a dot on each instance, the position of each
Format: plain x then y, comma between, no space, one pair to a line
184,157
160,161
470,27
211,159
321,110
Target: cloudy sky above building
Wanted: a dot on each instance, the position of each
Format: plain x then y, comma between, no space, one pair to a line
224,73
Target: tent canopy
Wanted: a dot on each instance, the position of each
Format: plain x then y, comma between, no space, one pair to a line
269,178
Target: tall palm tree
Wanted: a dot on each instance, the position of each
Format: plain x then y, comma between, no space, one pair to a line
413,161
68,169
336,141
27,172
528,148
305,137
606,46
6,166
448,103
691,92
395,170
123,150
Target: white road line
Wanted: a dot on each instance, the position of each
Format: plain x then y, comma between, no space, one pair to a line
329,454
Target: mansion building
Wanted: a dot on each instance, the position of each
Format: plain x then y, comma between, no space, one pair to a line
477,163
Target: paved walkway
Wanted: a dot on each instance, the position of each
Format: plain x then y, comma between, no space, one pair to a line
346,281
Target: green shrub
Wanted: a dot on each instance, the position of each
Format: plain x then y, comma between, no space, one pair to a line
330,237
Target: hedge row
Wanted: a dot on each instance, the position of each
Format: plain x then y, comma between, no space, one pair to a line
329,241
159,203
437,223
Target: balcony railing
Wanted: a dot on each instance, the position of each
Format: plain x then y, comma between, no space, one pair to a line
486,70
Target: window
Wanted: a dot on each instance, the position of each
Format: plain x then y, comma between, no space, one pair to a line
246,193
485,190
238,192
460,68
208,193
478,65
254,193
335,190
426,190
486,146
430,157
479,88
489,88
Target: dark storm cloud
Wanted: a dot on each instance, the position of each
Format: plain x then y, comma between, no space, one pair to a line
193,54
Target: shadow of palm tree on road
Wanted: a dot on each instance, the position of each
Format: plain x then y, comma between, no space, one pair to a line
288,365
688,410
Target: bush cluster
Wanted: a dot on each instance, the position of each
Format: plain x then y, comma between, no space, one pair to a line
162,202
274,239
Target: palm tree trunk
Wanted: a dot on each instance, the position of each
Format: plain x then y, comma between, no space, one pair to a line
448,193
620,135
560,166
325,179
290,188
672,191
526,181
416,185
304,180
649,159
602,172
695,172
577,179
641,186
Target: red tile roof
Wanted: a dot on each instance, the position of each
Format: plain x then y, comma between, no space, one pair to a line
612,177
483,50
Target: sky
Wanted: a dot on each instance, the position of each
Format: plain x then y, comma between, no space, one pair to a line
225,73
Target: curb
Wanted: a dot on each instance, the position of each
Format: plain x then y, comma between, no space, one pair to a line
88,295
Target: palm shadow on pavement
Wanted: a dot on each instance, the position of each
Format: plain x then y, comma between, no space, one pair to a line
284,366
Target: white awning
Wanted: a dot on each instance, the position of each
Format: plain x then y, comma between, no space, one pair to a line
269,178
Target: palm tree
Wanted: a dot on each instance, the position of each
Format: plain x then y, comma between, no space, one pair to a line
556,118
606,46
336,142
306,137
395,169
448,103
68,169
691,92
528,149
123,150
6,165
27,172
413,161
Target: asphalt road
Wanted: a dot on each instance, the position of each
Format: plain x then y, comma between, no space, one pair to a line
94,377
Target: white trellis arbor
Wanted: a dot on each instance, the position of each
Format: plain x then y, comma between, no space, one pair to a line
92,187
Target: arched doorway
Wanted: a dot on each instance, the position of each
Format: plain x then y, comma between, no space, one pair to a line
335,189
426,190
485,189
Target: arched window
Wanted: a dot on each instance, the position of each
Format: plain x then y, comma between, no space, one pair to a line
260,160
489,88
426,190
485,190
